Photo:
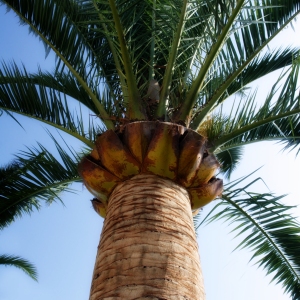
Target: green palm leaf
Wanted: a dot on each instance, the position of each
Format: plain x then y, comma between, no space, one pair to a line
236,49
36,176
222,85
267,228
274,120
64,33
43,97
97,38
16,261
229,160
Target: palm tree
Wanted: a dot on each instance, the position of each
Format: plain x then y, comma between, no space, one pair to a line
156,74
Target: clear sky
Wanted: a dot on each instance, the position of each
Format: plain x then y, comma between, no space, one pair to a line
62,240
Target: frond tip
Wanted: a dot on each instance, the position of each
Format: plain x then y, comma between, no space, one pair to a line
16,261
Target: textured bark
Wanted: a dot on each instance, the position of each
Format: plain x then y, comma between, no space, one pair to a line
148,248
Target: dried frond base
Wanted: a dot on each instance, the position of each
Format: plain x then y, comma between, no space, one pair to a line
163,149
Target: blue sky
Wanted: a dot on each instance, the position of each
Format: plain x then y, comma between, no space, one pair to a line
62,240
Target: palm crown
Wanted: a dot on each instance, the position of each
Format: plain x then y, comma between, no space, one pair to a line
172,61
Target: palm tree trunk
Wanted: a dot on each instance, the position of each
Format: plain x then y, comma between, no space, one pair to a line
148,248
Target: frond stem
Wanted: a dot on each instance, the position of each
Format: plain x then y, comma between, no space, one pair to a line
198,83
227,137
108,123
270,139
265,233
134,105
152,45
114,54
213,100
166,85
72,133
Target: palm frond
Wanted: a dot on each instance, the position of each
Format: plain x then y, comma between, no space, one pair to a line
18,262
230,79
277,119
93,40
178,35
43,97
133,107
36,176
216,45
65,32
266,227
262,65
249,34
229,160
